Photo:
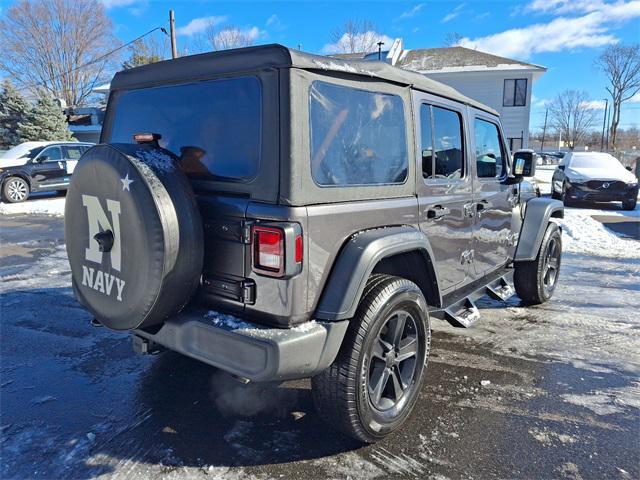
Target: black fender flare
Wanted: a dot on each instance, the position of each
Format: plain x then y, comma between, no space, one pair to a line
356,261
537,214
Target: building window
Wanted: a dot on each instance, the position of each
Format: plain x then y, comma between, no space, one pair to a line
515,93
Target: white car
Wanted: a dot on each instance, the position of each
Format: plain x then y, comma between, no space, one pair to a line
594,177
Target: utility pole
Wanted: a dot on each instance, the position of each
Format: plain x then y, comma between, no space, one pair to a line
380,50
604,122
544,130
607,137
172,28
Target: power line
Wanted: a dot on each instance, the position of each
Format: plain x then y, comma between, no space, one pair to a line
101,57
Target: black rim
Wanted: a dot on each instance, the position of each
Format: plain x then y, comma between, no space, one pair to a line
392,364
551,264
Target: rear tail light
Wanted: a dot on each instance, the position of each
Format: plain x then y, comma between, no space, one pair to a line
277,250
268,253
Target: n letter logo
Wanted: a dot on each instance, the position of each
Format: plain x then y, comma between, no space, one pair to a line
99,222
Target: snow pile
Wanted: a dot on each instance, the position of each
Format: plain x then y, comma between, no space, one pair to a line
158,161
583,234
43,206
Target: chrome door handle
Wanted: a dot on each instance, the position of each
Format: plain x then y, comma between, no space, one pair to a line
438,212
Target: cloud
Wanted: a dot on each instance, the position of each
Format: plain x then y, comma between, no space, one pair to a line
593,105
560,7
635,98
274,23
539,102
412,12
453,13
589,30
364,40
199,25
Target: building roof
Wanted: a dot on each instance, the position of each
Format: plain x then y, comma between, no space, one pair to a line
242,60
452,59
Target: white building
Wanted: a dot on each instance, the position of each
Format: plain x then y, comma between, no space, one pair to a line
501,83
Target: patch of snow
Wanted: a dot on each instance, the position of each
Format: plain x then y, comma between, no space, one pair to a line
304,327
608,402
582,234
42,206
50,271
158,161
227,321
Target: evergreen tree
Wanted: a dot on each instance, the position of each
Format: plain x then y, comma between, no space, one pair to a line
13,111
45,121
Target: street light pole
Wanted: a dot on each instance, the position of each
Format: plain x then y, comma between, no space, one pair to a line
380,50
544,130
172,28
604,122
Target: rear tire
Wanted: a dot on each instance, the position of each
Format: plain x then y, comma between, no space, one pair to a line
536,281
370,389
630,204
15,190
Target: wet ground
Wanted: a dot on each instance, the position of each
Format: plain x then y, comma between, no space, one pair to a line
563,398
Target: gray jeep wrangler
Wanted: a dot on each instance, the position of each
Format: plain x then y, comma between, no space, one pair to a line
280,215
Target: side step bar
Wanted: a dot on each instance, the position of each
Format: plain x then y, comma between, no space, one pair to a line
463,312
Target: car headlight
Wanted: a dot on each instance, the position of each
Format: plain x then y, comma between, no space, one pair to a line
576,179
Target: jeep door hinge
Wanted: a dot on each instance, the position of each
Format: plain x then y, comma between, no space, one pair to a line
469,210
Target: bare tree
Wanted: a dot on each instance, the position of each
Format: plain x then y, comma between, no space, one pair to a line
230,37
621,65
452,39
56,45
572,116
356,36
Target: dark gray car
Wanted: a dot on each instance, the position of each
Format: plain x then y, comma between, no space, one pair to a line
280,215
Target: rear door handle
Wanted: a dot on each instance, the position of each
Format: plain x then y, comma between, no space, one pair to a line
482,205
438,212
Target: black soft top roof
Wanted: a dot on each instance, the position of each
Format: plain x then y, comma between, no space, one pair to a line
251,59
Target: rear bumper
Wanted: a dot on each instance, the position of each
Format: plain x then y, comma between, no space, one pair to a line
249,350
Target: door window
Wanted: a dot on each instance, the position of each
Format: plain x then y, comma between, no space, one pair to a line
53,153
490,157
442,150
73,153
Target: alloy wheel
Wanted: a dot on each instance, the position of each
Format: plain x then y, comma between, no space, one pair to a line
17,190
551,264
392,365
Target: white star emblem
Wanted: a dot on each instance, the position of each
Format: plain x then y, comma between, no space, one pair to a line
125,183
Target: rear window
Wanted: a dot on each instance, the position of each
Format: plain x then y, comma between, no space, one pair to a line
357,137
213,126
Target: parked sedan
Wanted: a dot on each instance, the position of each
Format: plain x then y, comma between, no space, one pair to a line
594,177
38,167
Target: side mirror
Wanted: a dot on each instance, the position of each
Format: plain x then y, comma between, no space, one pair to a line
524,164
43,158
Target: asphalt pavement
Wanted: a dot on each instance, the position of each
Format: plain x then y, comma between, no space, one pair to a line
76,402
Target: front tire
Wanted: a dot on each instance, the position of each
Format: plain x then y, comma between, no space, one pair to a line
15,190
536,281
370,389
630,204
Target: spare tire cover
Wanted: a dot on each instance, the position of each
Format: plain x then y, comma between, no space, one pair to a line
134,235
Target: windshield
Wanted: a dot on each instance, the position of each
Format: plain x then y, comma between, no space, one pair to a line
24,150
594,161
214,126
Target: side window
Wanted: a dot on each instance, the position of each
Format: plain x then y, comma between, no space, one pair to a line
447,129
515,93
357,137
426,139
53,153
441,134
73,153
490,157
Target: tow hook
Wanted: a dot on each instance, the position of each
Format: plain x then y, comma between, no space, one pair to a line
143,346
